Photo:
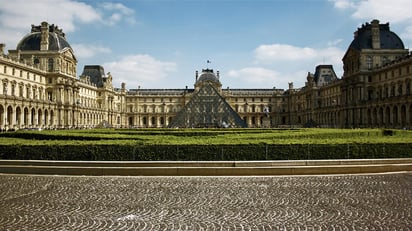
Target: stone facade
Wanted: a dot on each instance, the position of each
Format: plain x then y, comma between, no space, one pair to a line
40,90
375,90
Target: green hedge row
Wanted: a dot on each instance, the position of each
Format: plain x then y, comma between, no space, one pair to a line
204,152
48,136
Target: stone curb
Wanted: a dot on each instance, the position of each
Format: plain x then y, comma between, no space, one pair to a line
205,168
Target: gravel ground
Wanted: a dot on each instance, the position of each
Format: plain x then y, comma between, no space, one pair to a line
338,202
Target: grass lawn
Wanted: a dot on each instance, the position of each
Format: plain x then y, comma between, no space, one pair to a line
205,136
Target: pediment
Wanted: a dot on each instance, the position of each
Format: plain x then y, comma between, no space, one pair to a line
68,53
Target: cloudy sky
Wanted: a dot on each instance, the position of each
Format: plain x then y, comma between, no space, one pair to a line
161,43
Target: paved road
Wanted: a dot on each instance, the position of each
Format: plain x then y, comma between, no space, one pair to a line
345,202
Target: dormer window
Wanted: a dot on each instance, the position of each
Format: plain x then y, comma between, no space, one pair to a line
385,60
369,62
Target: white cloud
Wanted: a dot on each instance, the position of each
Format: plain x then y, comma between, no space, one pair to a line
20,14
10,37
117,7
344,4
273,53
278,64
137,69
254,75
88,50
393,11
16,16
396,12
259,77
118,12
335,42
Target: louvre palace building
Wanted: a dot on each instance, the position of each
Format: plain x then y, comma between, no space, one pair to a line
40,89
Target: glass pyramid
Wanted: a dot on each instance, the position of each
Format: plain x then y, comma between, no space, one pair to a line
207,109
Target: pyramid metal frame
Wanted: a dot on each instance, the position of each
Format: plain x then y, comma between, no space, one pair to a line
207,109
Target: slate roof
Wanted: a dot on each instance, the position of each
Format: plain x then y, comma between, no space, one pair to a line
32,42
96,74
388,39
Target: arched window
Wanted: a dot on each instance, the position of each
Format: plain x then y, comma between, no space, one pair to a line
50,65
4,88
36,61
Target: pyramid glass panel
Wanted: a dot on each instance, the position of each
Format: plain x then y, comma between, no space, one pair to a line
207,108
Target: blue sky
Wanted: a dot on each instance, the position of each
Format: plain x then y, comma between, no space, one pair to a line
161,43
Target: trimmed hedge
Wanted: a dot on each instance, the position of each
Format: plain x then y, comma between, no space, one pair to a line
205,152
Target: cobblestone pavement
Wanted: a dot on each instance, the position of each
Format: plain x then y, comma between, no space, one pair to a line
340,202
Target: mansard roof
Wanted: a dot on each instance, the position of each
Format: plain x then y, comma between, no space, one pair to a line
388,39
324,74
96,74
32,41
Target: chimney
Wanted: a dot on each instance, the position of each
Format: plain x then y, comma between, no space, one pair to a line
2,46
376,40
218,75
44,44
291,86
197,75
